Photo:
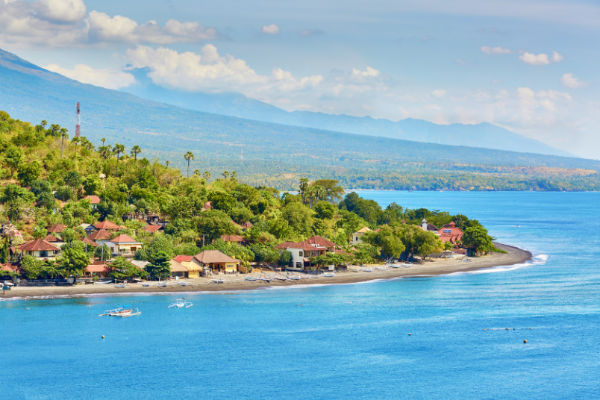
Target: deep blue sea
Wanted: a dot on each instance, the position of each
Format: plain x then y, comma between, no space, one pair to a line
345,341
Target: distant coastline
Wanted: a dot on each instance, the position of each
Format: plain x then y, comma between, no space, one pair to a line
513,255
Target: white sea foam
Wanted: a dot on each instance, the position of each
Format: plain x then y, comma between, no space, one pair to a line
539,259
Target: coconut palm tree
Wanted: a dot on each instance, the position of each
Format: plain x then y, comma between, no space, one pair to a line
135,150
189,156
63,135
118,149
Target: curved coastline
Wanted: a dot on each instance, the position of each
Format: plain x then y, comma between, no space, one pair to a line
513,255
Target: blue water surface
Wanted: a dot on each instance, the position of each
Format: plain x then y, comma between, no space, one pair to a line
441,337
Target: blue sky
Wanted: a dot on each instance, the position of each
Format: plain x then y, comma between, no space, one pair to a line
530,66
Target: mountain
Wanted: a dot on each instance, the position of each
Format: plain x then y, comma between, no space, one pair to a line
276,154
237,105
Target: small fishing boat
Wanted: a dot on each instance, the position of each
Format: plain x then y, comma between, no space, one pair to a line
218,281
293,277
145,284
366,269
251,278
105,282
264,279
380,268
183,283
120,312
121,285
329,275
280,278
181,303
395,266
161,284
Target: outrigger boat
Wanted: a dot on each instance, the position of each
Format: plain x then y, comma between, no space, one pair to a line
251,278
218,281
181,303
293,277
121,312
329,275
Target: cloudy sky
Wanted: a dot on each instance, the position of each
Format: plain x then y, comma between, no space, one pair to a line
527,65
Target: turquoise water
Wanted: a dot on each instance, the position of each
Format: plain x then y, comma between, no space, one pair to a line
346,341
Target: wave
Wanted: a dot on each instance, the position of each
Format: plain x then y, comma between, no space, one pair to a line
539,259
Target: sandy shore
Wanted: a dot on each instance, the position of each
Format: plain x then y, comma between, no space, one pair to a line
513,256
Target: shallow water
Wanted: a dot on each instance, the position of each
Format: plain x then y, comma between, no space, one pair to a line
435,337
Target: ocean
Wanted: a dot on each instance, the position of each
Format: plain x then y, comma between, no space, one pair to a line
458,336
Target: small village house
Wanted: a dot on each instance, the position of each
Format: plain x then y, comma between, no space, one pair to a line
98,269
233,239
93,200
216,261
178,270
107,225
122,245
450,233
357,236
39,248
194,268
427,227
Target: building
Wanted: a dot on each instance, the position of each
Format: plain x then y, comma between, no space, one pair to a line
123,245
357,236
152,228
178,270
427,227
97,268
100,235
38,248
194,268
93,200
233,239
215,261
54,240
56,228
302,252
450,233
107,225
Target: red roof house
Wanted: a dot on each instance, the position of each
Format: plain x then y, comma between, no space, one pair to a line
233,238
152,228
107,225
39,248
57,228
93,199
102,234
450,233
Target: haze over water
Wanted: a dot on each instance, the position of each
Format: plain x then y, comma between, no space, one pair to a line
346,341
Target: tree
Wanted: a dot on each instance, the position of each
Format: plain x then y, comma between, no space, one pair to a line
417,241
388,241
477,240
12,157
324,210
73,259
63,135
31,267
29,172
159,267
118,149
189,156
135,150
121,269
303,190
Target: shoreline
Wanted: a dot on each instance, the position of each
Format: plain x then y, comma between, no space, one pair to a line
436,267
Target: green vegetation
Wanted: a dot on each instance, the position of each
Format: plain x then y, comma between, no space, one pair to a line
46,177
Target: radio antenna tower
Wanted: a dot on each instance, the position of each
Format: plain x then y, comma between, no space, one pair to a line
78,126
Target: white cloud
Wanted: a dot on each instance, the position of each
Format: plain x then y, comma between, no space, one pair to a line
61,10
571,81
65,23
438,93
110,79
494,50
271,29
208,70
368,72
557,57
540,59
103,27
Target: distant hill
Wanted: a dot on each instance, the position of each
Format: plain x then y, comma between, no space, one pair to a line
273,153
237,105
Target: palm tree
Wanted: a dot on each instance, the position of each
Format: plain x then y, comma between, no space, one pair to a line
103,140
63,134
167,163
135,150
76,140
118,149
189,156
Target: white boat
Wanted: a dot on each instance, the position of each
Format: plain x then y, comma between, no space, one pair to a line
103,282
145,284
395,266
366,269
161,284
121,285
182,283
181,303
218,281
280,278
121,312
329,275
380,268
251,278
293,277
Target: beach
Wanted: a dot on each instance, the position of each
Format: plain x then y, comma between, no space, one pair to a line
431,267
